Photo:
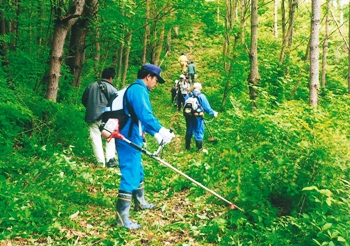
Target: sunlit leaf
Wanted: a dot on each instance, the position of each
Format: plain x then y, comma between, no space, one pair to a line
326,226
311,188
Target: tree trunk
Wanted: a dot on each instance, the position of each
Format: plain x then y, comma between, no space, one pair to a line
14,25
243,20
120,61
284,22
228,37
77,43
62,25
3,33
146,34
325,47
288,38
158,48
168,43
153,44
97,56
254,77
349,56
77,52
228,46
275,19
126,59
314,56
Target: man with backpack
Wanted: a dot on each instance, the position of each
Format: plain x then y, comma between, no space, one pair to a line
141,120
194,117
95,98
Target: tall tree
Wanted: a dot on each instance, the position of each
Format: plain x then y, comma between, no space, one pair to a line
158,48
325,45
14,24
77,45
244,10
126,56
254,77
3,32
283,18
63,24
230,44
288,37
314,52
275,18
349,55
147,31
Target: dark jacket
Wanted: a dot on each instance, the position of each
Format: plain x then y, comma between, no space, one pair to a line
191,69
95,100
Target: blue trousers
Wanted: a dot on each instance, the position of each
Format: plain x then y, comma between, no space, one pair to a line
194,126
130,164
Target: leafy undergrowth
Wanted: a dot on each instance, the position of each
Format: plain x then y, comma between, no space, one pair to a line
287,170
76,220
287,167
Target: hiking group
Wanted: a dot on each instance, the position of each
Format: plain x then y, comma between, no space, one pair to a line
194,104
100,99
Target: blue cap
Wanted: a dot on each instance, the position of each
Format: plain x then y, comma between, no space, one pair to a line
154,69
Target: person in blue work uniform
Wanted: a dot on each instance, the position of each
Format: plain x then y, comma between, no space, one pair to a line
195,124
130,163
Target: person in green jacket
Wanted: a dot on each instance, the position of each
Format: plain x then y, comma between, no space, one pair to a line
191,71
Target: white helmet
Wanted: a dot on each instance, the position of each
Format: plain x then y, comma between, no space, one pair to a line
182,76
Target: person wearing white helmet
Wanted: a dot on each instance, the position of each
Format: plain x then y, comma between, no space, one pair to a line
184,88
194,124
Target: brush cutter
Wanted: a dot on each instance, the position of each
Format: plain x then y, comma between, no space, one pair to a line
117,134
211,139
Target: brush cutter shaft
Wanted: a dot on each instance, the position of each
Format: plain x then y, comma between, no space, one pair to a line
175,169
205,123
192,180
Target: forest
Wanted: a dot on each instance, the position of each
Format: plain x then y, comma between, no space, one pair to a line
277,72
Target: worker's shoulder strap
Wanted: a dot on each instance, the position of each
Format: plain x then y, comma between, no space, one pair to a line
128,104
199,100
193,95
103,89
130,109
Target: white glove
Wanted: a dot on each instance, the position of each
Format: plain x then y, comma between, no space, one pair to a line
158,137
166,135
215,114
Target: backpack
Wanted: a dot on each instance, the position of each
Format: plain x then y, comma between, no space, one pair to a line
115,109
192,107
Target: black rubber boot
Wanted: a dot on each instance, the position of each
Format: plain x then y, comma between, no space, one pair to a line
139,198
123,208
199,144
188,143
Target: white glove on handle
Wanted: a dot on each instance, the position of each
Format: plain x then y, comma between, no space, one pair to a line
158,137
165,134
215,114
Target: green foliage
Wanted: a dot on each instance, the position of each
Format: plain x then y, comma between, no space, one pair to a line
285,164
39,200
264,162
